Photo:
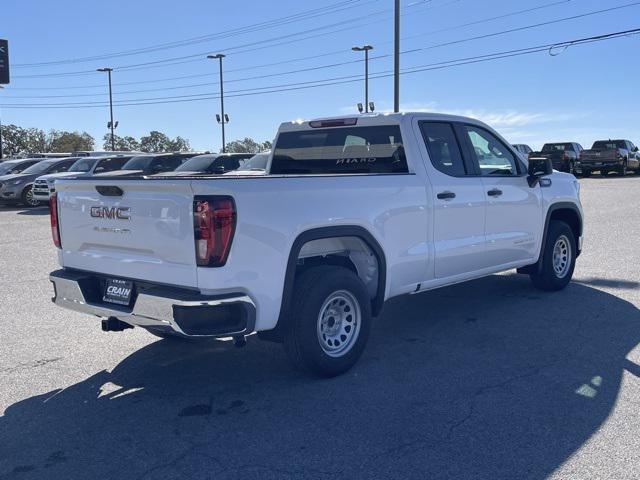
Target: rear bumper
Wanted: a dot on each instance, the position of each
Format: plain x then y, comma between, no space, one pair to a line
160,308
598,164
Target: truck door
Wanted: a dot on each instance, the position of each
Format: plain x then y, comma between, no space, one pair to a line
514,210
459,203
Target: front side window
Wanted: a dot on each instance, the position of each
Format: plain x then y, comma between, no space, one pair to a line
83,165
62,167
491,155
444,150
340,151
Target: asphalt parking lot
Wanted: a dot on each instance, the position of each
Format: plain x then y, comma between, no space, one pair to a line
490,379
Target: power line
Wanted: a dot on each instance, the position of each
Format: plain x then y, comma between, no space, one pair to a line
305,15
248,47
348,79
377,57
454,42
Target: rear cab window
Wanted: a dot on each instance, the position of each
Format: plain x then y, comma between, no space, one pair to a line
340,150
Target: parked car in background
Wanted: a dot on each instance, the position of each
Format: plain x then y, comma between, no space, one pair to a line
256,165
523,149
211,164
44,186
354,211
9,167
18,187
151,164
607,156
564,156
91,153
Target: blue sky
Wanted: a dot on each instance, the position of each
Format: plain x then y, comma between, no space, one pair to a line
580,94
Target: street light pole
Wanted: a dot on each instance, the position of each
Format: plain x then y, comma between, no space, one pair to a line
396,59
113,141
223,118
365,49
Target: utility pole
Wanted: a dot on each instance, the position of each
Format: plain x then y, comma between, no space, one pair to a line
365,49
111,124
222,118
396,59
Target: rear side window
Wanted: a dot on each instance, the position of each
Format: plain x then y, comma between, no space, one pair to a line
340,151
443,147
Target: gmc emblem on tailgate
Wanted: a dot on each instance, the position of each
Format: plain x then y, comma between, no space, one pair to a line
112,213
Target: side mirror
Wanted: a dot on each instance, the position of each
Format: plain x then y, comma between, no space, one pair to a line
538,168
635,150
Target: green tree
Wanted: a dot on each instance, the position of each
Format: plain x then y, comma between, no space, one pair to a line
179,144
17,140
159,142
59,141
248,145
127,144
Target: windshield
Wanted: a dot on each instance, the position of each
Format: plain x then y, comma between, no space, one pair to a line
257,162
40,167
608,145
5,167
201,163
83,165
138,163
558,147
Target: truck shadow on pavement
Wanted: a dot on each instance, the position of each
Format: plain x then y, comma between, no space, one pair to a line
490,379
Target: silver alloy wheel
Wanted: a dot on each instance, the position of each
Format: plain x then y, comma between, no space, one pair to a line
32,202
562,256
339,323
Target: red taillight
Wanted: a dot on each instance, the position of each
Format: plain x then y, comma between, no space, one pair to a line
53,213
214,222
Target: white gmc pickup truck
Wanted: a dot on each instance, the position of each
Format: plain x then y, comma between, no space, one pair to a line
353,211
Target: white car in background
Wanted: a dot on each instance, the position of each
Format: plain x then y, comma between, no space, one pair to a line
256,165
44,186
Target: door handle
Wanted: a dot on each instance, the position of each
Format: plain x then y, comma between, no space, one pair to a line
446,195
494,193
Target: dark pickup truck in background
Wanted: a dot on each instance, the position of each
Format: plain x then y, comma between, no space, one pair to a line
610,156
564,156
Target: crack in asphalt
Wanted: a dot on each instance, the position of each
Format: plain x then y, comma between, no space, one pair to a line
29,365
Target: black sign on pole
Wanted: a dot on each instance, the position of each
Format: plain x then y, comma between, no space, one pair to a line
4,62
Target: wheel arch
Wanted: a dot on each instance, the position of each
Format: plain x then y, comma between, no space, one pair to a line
326,233
567,212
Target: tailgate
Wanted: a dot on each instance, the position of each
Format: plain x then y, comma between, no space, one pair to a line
598,156
146,233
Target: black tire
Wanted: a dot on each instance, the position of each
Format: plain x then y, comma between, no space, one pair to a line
586,173
604,173
623,170
548,278
302,336
27,198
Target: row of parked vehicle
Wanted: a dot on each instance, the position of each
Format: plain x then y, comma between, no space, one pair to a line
605,156
31,181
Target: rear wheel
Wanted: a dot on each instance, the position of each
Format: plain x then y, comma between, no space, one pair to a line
27,198
558,258
604,173
329,321
586,173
